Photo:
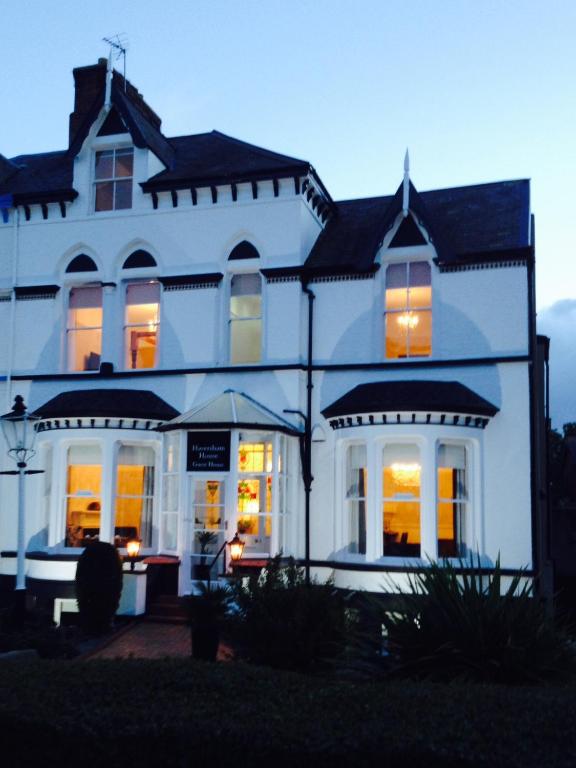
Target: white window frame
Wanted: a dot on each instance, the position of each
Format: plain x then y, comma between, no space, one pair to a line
428,447
72,287
394,257
108,445
126,325
229,320
115,147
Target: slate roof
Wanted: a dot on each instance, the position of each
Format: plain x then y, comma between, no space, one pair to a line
231,410
472,221
215,158
40,178
113,403
410,396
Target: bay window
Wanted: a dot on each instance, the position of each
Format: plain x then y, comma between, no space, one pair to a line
170,492
356,492
84,328
134,494
401,500
254,499
452,500
142,323
405,498
408,310
245,319
83,494
108,494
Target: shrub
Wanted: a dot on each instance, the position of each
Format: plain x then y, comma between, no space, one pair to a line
465,625
284,623
98,586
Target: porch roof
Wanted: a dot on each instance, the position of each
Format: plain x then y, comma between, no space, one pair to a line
231,410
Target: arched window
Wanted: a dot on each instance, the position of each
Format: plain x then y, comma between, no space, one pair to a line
246,318
82,263
244,250
139,259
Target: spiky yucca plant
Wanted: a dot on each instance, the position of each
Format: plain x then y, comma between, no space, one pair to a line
465,623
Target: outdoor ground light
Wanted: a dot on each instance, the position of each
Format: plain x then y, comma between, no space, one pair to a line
133,550
236,548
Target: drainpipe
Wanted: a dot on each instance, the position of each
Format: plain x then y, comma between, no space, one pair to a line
307,463
12,321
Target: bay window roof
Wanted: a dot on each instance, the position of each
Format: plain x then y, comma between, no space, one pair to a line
410,396
114,403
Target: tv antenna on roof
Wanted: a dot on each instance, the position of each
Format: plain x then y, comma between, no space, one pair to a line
119,44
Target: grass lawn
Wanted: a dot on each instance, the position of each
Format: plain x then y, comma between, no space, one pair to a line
185,713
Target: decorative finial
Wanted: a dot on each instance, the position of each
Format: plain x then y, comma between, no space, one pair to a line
406,185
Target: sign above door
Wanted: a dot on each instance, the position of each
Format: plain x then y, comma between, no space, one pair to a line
208,452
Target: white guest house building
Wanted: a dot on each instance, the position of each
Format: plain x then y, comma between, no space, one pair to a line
213,344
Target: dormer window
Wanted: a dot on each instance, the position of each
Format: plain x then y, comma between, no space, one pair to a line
113,175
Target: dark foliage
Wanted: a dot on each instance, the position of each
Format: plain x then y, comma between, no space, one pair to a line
38,633
182,713
474,627
98,587
283,623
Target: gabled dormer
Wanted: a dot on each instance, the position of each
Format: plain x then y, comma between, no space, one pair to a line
115,140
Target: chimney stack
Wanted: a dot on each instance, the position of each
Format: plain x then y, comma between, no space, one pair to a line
89,85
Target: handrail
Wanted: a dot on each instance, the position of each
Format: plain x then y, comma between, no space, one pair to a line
214,561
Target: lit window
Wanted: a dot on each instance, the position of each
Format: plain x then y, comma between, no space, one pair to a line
113,174
356,491
401,500
452,498
83,495
142,319
209,505
134,495
84,332
246,318
408,317
254,501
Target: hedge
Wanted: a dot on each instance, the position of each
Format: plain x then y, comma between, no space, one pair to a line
189,713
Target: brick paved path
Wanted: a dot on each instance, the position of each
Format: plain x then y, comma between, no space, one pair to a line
144,640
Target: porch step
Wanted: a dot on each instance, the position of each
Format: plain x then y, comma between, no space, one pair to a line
167,609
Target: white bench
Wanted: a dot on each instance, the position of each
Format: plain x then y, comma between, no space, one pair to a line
64,605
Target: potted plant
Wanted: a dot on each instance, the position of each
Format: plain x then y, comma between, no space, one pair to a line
205,539
208,610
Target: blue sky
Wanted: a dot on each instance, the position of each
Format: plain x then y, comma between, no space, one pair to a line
479,90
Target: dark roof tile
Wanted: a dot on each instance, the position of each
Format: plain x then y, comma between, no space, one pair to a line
482,218
115,403
410,396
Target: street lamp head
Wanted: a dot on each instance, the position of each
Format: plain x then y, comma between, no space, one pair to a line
19,429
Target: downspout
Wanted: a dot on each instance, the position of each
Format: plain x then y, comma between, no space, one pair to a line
12,322
307,458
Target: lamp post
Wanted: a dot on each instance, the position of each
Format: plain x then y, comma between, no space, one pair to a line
18,427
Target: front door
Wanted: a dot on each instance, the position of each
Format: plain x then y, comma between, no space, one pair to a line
206,523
